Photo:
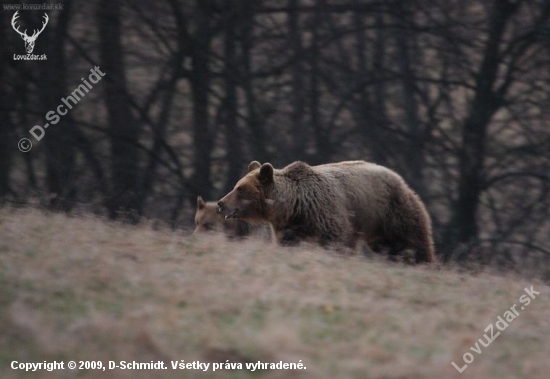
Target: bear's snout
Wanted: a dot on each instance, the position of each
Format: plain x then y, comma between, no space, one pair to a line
221,206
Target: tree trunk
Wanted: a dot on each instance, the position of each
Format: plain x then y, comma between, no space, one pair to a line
257,134
167,101
370,130
200,83
7,134
58,140
413,154
233,137
125,130
299,130
323,147
463,227
380,122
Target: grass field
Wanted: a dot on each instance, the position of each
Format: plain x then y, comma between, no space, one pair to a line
81,288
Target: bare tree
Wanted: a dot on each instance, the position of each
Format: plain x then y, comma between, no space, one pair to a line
200,83
125,129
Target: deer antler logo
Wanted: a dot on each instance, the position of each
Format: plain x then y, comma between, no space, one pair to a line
29,40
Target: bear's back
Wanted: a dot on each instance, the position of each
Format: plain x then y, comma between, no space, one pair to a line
359,173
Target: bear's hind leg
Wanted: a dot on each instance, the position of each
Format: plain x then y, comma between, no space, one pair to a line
408,230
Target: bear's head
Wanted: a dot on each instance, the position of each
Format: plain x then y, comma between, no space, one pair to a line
249,199
207,217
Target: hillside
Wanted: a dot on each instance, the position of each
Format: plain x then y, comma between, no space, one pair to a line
81,288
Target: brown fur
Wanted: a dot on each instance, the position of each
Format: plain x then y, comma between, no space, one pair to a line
335,203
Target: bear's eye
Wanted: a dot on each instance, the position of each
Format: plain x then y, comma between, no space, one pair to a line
240,192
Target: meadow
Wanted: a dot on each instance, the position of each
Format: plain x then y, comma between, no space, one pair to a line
83,288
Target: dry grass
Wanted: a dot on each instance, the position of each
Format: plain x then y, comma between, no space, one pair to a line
85,289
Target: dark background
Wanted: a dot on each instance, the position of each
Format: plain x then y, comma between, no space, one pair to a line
453,95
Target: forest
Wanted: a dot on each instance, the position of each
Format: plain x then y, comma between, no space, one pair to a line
451,94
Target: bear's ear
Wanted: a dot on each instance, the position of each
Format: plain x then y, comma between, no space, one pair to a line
253,165
200,202
266,174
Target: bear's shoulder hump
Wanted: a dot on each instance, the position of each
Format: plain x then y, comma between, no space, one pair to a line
297,170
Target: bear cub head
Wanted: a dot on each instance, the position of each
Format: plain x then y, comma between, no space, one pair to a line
206,217
249,198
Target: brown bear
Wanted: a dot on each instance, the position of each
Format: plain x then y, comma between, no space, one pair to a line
338,203
208,219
